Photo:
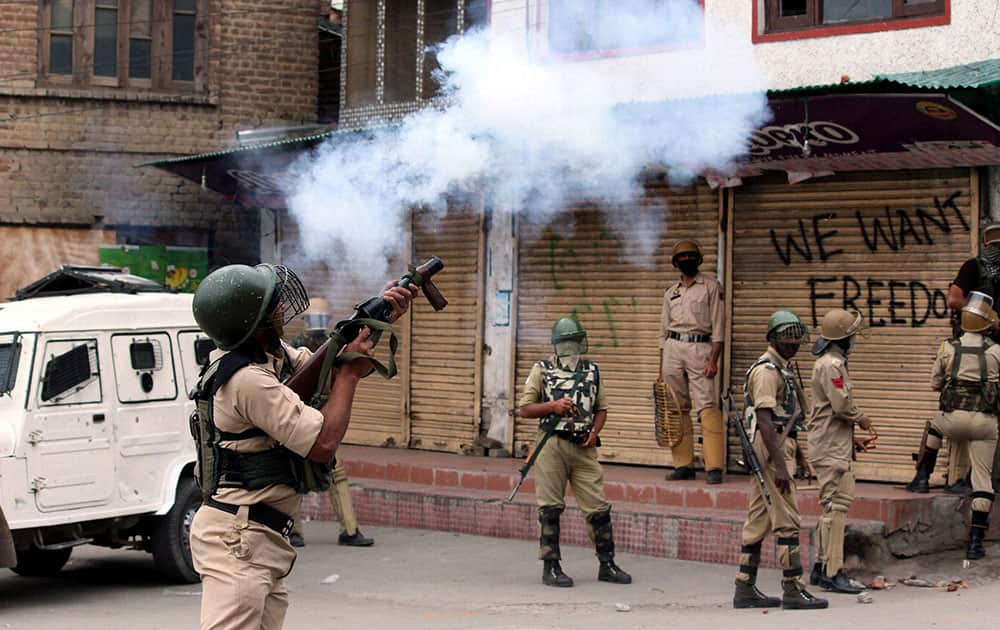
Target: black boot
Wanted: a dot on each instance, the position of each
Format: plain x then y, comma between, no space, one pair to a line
962,487
681,473
839,583
925,467
611,572
713,477
980,522
296,540
357,539
796,597
552,575
816,574
748,596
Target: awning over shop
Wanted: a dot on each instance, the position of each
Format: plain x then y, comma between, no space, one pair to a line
936,119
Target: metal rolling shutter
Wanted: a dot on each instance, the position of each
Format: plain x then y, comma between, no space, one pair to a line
445,381
378,414
585,262
908,262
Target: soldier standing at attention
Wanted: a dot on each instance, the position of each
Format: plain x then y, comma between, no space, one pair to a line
565,391
832,444
774,404
966,372
317,320
262,440
692,329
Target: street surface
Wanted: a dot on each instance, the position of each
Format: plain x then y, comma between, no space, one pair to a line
425,579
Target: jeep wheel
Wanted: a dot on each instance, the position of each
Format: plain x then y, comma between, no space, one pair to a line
172,534
35,562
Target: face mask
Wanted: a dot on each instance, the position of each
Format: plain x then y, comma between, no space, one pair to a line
786,350
568,354
688,267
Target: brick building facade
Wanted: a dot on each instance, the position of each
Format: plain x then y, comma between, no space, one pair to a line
71,136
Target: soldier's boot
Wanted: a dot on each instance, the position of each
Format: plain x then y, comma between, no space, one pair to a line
926,459
552,575
713,444
357,539
795,597
749,596
604,544
980,523
548,546
839,583
921,481
962,487
683,452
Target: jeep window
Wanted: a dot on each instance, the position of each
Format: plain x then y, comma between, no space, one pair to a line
70,372
146,355
10,353
202,348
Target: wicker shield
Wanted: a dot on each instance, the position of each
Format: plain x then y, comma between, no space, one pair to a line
667,419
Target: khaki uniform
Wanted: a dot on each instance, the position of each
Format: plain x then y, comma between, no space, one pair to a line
561,461
979,429
242,563
695,310
831,451
766,390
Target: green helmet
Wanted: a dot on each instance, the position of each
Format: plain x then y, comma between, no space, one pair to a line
786,325
232,300
567,329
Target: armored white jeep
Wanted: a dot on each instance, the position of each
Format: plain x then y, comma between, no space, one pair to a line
95,448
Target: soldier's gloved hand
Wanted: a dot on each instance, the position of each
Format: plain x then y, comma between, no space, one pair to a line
399,298
562,407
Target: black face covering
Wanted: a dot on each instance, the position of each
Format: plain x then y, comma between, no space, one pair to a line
688,267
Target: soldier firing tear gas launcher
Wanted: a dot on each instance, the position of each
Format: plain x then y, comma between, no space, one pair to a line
312,381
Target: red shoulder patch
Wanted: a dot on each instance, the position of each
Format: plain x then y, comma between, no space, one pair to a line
838,382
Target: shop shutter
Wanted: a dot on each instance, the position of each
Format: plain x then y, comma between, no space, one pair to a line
445,381
893,241
587,261
378,415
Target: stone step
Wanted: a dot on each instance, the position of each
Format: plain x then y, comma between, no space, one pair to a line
667,531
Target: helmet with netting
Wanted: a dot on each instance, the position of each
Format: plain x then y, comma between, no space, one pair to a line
786,326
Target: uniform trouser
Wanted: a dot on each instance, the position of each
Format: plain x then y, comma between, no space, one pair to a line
683,370
340,499
836,493
980,431
562,461
780,518
242,566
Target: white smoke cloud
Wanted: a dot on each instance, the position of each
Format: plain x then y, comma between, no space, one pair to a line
535,132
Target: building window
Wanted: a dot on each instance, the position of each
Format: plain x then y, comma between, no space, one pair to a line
394,62
151,44
798,15
609,27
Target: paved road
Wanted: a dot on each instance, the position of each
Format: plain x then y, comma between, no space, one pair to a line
423,579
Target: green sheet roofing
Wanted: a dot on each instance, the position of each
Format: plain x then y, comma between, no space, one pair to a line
979,74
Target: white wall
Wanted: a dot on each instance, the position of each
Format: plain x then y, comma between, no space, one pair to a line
973,35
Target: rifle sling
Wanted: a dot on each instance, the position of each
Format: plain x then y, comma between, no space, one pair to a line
334,356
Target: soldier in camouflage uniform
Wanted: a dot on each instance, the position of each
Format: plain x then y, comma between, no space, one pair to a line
565,393
317,320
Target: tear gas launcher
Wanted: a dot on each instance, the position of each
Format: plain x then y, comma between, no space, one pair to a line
312,381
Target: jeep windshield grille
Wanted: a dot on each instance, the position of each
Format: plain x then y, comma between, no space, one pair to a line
10,354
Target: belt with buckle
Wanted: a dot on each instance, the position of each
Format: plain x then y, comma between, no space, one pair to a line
259,513
689,337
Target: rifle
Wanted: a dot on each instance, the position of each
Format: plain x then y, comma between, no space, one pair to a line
749,456
548,428
309,380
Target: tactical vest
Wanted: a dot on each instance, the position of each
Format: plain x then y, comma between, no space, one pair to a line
790,414
580,386
220,467
981,395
